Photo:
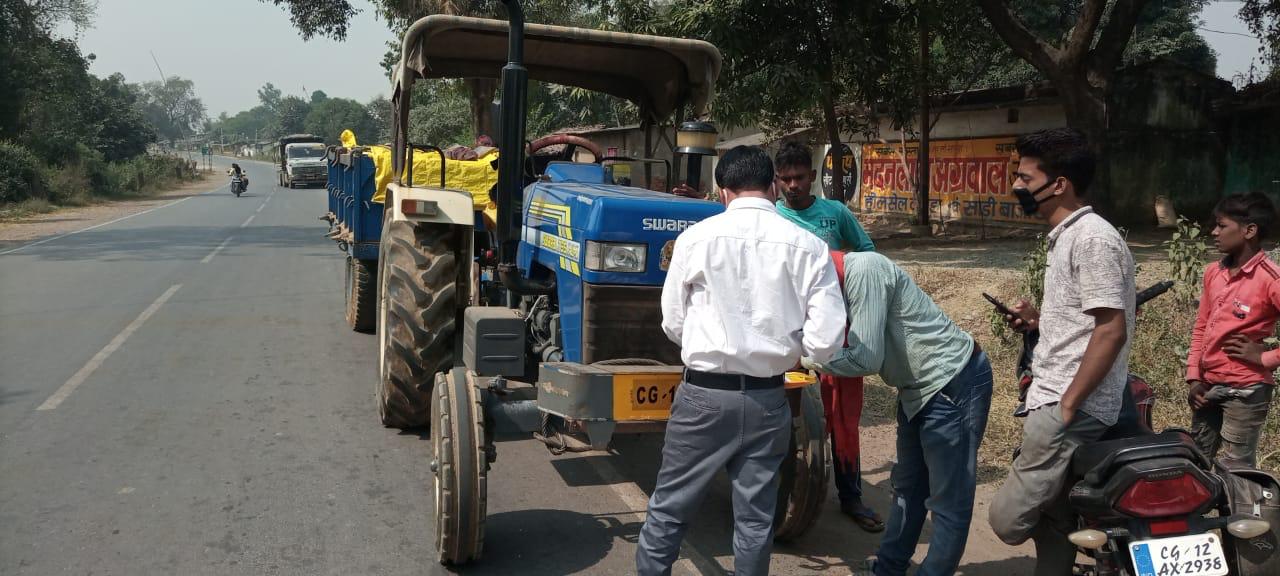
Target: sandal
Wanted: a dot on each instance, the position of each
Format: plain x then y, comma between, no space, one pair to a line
863,516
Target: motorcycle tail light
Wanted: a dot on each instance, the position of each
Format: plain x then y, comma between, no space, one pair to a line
1168,527
1164,497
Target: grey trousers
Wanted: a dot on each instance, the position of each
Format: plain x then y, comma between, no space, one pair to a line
744,432
1232,424
1029,505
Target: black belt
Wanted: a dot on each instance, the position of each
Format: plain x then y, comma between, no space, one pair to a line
732,381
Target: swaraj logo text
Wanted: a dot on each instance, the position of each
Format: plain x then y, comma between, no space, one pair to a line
665,224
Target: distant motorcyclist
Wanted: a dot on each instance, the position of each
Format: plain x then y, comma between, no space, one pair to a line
237,172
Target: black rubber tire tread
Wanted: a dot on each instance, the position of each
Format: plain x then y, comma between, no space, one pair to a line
806,472
461,468
362,294
420,280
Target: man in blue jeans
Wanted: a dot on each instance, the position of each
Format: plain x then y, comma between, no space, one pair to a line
944,392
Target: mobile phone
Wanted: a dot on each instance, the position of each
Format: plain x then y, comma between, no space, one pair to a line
998,304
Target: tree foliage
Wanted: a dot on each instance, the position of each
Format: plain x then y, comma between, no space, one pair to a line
331,116
173,107
1263,17
319,17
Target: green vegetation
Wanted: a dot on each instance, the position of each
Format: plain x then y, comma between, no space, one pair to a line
67,136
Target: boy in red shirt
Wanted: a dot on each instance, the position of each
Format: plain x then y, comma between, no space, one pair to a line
1229,369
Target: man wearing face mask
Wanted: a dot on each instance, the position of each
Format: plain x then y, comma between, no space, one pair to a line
1081,361
747,294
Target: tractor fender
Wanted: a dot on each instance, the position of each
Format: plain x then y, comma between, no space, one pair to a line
450,206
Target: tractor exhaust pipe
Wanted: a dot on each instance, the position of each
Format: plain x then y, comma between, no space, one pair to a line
511,116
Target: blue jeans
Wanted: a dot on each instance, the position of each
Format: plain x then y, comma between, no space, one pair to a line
943,438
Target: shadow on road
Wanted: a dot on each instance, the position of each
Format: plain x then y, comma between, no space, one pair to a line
582,540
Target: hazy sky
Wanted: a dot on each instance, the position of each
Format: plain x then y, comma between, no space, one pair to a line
232,47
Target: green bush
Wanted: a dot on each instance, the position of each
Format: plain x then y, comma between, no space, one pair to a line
22,174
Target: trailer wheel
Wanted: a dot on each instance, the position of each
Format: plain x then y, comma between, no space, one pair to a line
417,315
362,294
459,463
802,489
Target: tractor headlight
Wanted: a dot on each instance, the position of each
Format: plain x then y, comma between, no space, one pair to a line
611,257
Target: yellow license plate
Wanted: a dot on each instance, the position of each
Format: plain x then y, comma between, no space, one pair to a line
644,396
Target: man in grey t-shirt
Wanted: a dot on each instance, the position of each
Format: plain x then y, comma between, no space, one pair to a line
1082,359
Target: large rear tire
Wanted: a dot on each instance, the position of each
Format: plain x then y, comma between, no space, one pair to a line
417,315
362,294
460,468
806,472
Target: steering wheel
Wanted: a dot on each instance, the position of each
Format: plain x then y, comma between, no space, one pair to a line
535,167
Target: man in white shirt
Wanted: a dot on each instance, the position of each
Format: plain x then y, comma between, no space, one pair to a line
747,294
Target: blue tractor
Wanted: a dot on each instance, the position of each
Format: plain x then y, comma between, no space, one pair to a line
546,321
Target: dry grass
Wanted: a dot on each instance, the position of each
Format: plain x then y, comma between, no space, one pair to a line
1158,352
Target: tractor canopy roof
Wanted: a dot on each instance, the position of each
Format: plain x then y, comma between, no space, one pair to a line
656,73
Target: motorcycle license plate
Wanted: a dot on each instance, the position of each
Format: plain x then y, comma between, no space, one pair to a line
1195,555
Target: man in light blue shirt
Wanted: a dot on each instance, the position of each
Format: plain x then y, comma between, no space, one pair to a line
944,392
829,220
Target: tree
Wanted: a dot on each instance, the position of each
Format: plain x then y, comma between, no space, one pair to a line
1263,17
440,115
113,113
818,56
380,111
1081,65
331,116
318,96
319,17
172,107
269,96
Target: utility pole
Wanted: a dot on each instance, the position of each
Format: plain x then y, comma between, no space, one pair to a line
922,226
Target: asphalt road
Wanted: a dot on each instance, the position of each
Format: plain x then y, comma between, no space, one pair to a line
179,394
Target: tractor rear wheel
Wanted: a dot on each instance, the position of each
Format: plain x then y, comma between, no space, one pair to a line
460,467
806,471
362,294
417,317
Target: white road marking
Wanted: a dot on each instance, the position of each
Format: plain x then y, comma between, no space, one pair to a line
246,222
693,560
39,242
79,377
217,250
260,207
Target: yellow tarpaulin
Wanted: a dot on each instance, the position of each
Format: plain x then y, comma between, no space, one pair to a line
474,176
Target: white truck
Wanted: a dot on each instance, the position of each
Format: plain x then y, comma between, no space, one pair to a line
302,161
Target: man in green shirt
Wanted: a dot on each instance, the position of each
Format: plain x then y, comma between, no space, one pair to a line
829,220
944,393
834,224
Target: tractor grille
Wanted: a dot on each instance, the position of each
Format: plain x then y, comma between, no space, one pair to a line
624,322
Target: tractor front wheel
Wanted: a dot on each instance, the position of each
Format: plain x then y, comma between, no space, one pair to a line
806,471
460,467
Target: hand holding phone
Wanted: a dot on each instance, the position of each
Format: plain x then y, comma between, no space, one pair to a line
999,305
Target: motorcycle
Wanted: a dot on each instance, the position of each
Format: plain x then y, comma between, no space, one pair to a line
1151,504
239,183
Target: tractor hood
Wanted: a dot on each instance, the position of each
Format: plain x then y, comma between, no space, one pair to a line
562,217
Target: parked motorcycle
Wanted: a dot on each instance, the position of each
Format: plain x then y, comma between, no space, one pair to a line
1148,504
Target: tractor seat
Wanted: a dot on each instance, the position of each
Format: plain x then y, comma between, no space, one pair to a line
1110,453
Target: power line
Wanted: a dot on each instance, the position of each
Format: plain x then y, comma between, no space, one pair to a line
1225,32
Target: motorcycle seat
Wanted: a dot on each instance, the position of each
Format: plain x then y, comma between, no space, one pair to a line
1094,461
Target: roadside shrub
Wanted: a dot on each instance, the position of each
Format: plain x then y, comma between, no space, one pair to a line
22,174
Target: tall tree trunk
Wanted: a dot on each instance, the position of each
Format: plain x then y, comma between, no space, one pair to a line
1085,108
832,125
482,91
922,158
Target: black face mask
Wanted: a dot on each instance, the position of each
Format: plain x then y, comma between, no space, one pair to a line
1027,198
